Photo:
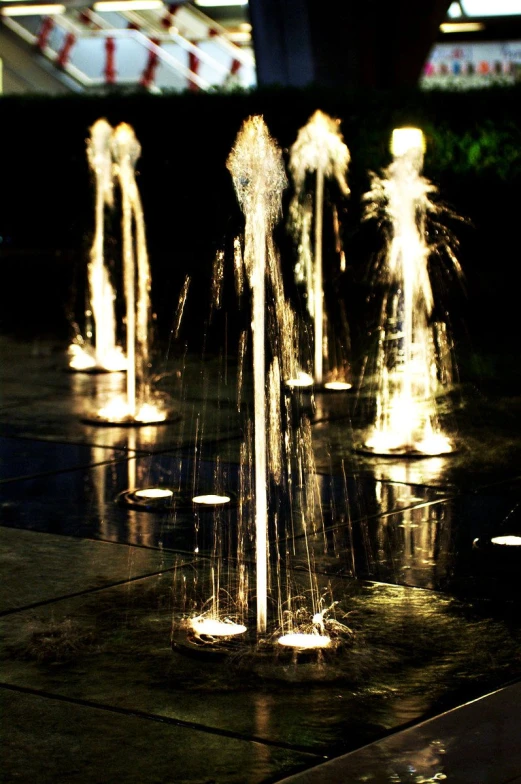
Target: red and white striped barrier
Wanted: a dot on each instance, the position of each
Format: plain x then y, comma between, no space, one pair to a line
149,73
65,51
46,29
110,58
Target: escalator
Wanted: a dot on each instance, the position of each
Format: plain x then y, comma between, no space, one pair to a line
26,72
173,49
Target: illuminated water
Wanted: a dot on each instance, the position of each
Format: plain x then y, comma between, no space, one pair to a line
320,150
277,484
103,354
256,166
136,406
407,367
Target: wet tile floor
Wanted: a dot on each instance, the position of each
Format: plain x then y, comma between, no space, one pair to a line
92,689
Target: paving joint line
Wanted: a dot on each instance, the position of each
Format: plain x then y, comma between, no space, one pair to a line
136,713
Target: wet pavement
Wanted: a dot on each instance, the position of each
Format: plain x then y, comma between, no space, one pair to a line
92,589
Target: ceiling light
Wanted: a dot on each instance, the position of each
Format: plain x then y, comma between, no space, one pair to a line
461,27
454,11
127,5
491,7
32,10
219,3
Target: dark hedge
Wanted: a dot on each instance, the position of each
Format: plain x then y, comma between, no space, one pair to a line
473,155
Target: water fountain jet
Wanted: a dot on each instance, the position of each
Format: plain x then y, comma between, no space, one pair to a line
136,408
320,150
406,420
104,355
256,166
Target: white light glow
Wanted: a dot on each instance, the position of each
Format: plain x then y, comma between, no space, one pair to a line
212,627
83,359
491,7
301,380
211,500
461,27
454,11
404,140
127,5
337,386
118,410
512,541
154,492
305,641
33,10
219,3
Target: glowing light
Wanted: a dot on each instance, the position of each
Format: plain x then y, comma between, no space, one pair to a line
337,386
211,500
154,492
454,11
33,10
404,140
118,410
305,641
220,3
509,540
127,5
319,148
258,173
81,358
461,27
491,7
406,419
301,380
211,627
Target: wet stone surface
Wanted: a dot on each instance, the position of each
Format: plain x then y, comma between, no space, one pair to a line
94,591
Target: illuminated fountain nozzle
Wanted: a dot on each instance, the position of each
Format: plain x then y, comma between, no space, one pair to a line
118,412
154,493
304,641
507,541
212,627
338,386
211,499
405,140
82,359
300,380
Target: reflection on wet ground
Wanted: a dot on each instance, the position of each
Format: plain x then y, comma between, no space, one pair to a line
89,599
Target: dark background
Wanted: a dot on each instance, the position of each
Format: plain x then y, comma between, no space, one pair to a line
46,206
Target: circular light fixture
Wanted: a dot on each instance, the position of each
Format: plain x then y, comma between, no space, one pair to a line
304,641
338,386
154,493
211,500
300,380
405,140
212,627
508,540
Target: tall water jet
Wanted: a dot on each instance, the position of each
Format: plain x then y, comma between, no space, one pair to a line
406,417
320,150
137,407
257,169
104,354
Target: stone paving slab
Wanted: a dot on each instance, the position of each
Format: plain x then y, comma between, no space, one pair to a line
413,653
477,742
21,457
40,567
46,741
